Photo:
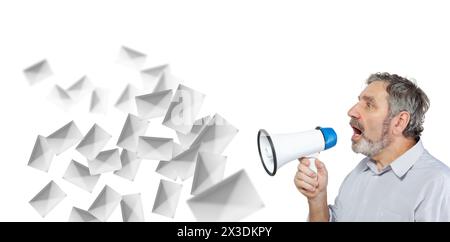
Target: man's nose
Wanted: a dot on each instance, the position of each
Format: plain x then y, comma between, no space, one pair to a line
353,112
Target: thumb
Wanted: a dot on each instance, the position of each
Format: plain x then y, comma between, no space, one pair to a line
321,169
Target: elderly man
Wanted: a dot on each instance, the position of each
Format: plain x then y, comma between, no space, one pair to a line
398,180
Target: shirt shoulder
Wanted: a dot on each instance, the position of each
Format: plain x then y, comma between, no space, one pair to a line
361,166
432,167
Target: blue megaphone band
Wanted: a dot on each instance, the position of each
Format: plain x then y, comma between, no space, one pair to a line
329,136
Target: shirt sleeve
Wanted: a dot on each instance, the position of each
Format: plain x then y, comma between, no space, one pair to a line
332,215
435,207
336,209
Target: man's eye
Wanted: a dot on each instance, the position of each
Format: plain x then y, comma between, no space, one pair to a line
369,105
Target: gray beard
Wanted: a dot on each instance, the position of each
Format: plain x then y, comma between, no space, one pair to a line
371,148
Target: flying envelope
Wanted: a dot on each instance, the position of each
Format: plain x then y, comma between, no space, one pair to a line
106,161
80,88
183,109
155,148
80,176
99,101
150,76
64,138
132,210
167,197
132,129
154,104
105,203
166,81
130,165
42,155
181,166
232,199
60,98
216,136
131,58
38,72
209,170
47,199
126,102
93,142
80,215
187,139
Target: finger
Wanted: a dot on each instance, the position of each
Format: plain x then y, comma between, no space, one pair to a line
304,160
311,181
306,170
306,192
303,185
302,190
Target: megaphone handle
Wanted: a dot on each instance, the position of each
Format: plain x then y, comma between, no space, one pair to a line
312,162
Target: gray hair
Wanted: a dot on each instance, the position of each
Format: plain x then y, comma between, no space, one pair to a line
404,95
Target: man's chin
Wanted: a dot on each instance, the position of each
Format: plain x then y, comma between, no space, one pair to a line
360,146
357,141
355,148
366,147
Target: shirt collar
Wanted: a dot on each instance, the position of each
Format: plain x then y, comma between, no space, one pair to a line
402,164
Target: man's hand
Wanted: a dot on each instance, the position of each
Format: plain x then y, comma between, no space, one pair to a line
310,184
314,187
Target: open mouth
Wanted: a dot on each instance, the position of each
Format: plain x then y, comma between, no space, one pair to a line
357,131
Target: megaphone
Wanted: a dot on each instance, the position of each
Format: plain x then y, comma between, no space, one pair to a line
278,149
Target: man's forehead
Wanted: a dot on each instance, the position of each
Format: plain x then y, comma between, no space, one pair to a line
376,91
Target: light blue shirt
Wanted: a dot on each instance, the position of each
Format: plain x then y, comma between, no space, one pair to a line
414,187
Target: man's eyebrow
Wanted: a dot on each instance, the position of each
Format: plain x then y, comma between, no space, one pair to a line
368,99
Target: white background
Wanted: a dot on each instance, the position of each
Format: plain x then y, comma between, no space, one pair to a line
280,65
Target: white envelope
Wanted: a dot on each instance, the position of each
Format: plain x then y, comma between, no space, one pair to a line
47,199
60,98
177,149
181,166
232,199
132,129
153,105
80,176
99,101
132,210
64,138
93,142
183,109
130,165
187,139
38,72
131,58
209,170
80,215
106,161
166,81
125,102
105,203
42,155
216,136
167,197
80,88
150,76
155,148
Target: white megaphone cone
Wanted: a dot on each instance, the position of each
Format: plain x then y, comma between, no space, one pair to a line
278,149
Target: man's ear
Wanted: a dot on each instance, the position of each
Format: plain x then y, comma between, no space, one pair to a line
401,121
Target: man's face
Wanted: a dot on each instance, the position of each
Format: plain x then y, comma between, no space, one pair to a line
370,120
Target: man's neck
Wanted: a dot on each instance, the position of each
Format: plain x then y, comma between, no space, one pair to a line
392,152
